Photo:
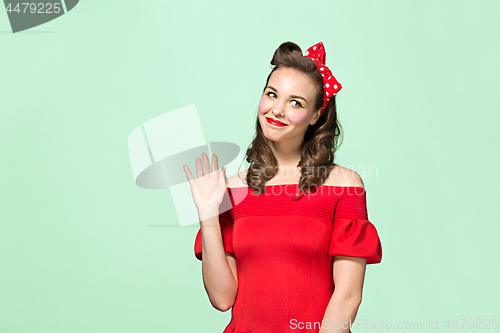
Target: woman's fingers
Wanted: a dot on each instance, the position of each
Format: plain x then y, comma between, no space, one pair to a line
203,169
199,169
215,164
189,175
222,176
206,165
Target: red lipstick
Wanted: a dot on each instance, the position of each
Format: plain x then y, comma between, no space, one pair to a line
275,122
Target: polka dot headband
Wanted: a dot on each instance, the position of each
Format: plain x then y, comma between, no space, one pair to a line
330,84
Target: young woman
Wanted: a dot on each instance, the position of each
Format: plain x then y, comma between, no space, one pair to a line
286,242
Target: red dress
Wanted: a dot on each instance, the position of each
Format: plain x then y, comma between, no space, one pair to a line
284,250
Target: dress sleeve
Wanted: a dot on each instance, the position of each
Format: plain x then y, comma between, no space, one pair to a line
226,227
353,234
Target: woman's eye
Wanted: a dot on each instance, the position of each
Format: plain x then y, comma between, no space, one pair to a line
273,95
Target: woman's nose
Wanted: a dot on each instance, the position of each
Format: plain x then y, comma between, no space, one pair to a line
277,113
279,109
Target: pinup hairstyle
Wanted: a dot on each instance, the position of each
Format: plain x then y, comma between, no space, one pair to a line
320,140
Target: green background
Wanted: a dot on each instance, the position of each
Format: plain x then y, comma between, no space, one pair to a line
84,249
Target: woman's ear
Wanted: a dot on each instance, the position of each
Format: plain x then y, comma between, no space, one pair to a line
315,117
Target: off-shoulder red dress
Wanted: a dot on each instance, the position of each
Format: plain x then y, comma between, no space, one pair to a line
284,249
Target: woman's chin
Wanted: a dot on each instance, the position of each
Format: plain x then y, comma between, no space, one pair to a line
273,137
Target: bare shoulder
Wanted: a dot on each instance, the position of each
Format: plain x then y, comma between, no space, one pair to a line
342,176
237,180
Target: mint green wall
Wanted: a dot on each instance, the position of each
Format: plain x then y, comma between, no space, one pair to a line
83,249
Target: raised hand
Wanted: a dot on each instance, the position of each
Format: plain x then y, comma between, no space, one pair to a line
210,185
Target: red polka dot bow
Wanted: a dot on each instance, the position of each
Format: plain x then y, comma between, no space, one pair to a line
330,84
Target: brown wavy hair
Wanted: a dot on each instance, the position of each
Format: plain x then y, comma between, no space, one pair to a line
321,140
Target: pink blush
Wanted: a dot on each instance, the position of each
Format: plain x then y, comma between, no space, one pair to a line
297,118
264,106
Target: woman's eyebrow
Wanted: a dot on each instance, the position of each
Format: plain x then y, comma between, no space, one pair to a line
293,96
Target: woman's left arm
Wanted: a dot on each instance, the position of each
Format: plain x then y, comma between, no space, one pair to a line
348,276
